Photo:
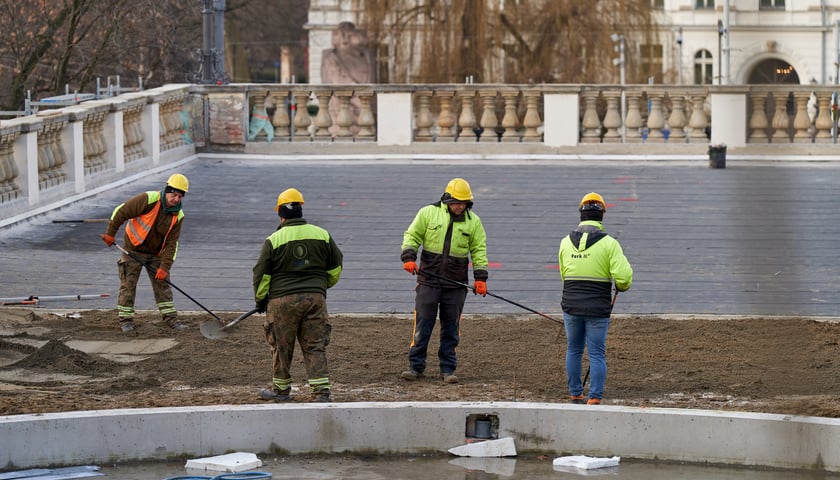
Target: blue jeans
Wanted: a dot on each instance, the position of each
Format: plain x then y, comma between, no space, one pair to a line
590,332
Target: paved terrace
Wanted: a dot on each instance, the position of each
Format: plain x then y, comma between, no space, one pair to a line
750,239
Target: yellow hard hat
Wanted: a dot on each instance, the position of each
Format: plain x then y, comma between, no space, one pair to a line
459,189
593,201
289,195
178,182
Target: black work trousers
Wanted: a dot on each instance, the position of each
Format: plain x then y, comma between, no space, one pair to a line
427,302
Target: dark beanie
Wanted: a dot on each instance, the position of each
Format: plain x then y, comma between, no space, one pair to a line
290,210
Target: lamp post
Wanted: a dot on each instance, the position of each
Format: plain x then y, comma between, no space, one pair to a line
679,56
720,52
619,47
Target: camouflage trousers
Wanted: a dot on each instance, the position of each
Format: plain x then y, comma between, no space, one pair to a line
300,317
130,270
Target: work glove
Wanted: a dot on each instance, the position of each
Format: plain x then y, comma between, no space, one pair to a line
262,305
161,275
108,239
480,288
410,267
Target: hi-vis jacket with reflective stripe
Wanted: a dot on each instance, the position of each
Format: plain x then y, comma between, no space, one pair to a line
297,258
150,229
590,261
468,239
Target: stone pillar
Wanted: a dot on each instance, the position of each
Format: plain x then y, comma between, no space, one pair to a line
656,118
697,121
612,119
591,124
729,114
466,121
801,121
302,120
781,121
633,122
280,120
677,119
367,124
823,121
345,116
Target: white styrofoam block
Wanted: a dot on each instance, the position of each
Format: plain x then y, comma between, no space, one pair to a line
502,447
586,463
231,462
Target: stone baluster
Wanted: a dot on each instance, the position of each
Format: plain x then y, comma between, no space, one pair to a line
510,120
532,121
488,121
366,121
344,120
801,121
280,120
257,103
697,122
423,121
656,118
781,121
466,121
9,190
54,141
45,161
446,119
302,120
591,124
758,117
612,119
133,133
677,119
101,141
167,126
823,121
323,121
633,122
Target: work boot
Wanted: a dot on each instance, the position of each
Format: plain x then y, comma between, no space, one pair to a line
127,326
577,399
449,377
176,325
411,375
322,396
594,401
276,395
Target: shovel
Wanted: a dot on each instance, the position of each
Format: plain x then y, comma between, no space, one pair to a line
216,329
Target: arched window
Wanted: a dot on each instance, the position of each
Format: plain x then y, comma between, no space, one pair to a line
703,68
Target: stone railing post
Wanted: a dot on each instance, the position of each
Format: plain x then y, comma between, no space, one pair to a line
758,117
801,121
561,108
729,114
323,121
781,121
612,118
344,120
302,120
466,121
656,117
488,121
446,119
591,124
366,121
424,119
677,119
9,189
633,123
823,121
280,120
510,120
532,121
394,110
697,122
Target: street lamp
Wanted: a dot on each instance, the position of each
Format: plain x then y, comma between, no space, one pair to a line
720,52
679,56
619,47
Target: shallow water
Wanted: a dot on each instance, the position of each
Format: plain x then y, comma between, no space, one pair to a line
457,468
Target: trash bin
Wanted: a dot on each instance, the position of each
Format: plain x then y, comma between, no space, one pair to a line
717,156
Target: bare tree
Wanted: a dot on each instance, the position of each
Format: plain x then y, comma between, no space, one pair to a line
524,41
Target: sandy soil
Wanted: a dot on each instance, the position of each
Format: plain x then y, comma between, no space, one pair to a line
762,365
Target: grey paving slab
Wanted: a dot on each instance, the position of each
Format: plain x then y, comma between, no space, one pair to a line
747,239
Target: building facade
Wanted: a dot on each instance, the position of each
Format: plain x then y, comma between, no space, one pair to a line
700,42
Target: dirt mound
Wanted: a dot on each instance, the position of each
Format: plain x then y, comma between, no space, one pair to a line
55,356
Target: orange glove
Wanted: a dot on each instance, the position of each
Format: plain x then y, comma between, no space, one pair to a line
410,267
161,275
109,240
480,287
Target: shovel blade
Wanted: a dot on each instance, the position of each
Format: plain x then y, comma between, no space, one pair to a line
213,329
